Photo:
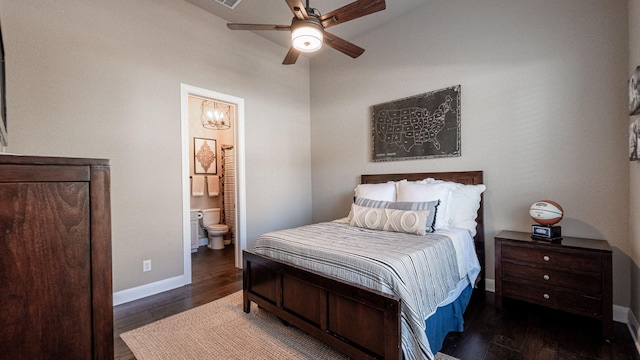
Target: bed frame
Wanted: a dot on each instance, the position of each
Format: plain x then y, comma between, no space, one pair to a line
360,322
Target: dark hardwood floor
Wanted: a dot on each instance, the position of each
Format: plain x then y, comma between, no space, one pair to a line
214,276
523,331
518,331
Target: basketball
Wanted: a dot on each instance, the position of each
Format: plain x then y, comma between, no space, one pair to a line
546,212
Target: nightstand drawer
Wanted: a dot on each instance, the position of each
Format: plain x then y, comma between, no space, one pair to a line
572,275
553,297
553,258
586,284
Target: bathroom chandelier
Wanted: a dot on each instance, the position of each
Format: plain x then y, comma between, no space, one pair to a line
215,115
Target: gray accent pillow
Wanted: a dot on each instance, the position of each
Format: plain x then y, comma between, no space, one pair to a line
432,206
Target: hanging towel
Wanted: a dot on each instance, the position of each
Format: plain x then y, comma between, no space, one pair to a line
197,185
213,185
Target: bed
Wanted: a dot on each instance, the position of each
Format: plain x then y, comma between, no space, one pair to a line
368,310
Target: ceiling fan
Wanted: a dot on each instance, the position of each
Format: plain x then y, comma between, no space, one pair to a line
308,27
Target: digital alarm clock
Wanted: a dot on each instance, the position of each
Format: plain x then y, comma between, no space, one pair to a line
546,232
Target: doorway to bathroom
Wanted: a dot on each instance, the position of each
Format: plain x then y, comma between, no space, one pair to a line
213,182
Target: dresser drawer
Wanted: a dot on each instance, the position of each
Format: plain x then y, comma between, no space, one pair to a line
553,297
553,258
586,284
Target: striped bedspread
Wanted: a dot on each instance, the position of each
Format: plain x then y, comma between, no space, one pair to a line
421,270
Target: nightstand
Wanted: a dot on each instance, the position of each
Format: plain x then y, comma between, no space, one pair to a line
572,275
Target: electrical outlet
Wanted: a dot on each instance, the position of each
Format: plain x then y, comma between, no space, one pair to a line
146,265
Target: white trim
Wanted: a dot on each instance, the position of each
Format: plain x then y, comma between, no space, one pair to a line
143,291
490,285
203,241
186,203
634,329
241,185
620,314
241,225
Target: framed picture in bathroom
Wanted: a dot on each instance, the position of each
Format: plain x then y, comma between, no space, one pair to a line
204,156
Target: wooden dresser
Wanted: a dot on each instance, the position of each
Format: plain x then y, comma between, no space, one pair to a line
55,258
572,275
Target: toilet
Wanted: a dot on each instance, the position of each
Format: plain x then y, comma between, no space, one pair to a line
211,223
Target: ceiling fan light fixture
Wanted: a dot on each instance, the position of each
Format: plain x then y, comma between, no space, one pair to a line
308,27
306,36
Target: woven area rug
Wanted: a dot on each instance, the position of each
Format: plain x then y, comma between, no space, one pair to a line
221,330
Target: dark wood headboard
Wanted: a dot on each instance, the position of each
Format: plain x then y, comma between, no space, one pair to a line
462,177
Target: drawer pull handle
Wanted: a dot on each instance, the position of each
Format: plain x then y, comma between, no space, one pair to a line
546,277
545,258
546,296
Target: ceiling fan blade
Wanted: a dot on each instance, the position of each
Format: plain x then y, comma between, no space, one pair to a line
352,11
342,45
298,9
292,57
234,26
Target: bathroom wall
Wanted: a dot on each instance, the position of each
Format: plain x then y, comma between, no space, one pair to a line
222,137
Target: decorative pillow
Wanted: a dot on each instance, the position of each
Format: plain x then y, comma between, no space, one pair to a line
465,202
383,192
432,206
410,222
421,192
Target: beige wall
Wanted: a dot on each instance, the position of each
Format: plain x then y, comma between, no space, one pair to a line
634,167
543,110
92,78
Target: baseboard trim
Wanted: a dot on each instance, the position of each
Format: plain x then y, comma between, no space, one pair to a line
490,285
621,314
203,241
143,291
632,324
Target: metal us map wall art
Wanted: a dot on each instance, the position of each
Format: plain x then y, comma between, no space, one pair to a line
417,127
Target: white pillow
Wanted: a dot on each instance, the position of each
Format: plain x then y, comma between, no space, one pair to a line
420,192
465,202
406,221
382,192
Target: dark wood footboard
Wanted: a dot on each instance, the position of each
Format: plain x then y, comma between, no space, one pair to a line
360,322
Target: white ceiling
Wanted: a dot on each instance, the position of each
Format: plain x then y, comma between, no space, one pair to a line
277,12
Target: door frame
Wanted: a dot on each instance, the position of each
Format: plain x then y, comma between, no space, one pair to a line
240,179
